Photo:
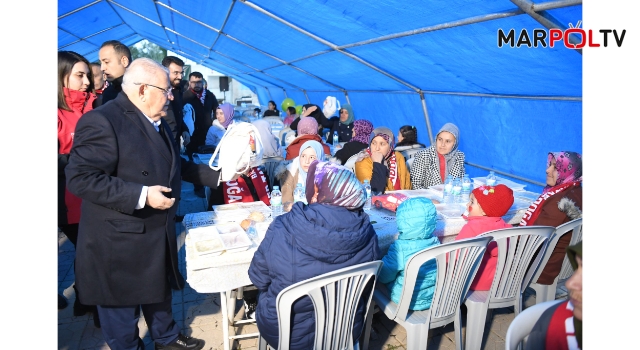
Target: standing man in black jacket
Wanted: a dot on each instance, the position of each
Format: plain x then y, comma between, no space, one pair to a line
115,57
174,114
204,104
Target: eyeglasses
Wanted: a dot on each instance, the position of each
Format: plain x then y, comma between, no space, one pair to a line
166,92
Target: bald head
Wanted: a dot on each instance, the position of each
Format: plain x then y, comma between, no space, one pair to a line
146,84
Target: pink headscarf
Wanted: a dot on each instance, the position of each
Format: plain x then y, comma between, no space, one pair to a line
227,109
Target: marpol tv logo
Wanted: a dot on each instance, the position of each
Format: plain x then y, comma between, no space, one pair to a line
572,37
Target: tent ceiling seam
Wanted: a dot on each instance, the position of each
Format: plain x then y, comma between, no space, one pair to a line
88,36
139,15
78,9
327,43
119,39
186,16
226,18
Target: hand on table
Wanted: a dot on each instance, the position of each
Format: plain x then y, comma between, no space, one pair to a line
157,200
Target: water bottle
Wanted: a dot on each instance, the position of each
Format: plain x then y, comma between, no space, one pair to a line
457,190
466,188
299,195
448,189
276,201
367,190
335,138
491,179
252,232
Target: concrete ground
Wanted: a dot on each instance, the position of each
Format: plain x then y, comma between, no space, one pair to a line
199,315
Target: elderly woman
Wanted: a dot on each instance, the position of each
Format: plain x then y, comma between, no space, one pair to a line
431,166
560,202
307,130
270,144
361,135
330,233
385,169
296,171
224,118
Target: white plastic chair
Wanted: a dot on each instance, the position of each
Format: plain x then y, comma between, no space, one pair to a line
548,292
517,248
276,125
351,163
335,296
408,155
269,166
282,135
454,276
521,326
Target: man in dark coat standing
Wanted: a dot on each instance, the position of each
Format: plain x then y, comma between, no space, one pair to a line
204,104
115,57
126,167
174,114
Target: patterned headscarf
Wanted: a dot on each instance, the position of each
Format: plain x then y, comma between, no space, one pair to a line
334,184
227,109
308,126
568,164
351,117
387,135
363,129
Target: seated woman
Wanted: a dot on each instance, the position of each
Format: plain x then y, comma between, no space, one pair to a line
296,171
560,202
431,166
314,111
408,138
291,116
307,130
362,129
270,144
272,111
224,118
343,124
330,233
385,169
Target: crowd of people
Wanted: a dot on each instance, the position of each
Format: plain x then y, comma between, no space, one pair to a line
120,126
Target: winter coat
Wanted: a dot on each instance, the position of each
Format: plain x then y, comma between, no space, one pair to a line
416,221
425,169
308,241
293,150
375,173
555,214
477,225
214,134
203,114
345,132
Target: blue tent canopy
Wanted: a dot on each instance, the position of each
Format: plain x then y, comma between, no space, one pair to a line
423,63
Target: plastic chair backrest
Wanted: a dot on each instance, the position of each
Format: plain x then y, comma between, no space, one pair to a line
276,125
282,134
457,263
335,296
351,163
576,225
521,326
269,165
517,248
408,155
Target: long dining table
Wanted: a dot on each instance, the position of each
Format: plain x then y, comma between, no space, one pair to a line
227,273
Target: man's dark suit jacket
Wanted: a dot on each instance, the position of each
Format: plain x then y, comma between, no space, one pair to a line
204,116
124,256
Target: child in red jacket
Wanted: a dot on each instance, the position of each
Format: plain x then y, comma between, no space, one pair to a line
487,205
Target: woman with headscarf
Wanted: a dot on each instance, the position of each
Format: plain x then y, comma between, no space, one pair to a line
270,144
224,118
560,202
560,326
431,166
311,110
361,136
343,124
307,130
330,233
385,169
296,172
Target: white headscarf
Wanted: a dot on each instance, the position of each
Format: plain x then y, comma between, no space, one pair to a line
295,164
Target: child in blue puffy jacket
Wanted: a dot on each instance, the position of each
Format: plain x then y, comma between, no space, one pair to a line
416,219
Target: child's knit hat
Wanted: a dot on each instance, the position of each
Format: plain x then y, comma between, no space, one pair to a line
495,201
307,126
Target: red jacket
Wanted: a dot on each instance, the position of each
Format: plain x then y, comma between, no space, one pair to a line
80,103
293,150
477,225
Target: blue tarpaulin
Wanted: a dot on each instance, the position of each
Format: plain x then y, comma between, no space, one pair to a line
422,63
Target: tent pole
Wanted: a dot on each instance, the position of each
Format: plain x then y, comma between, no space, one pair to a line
285,92
307,96
426,117
346,96
78,10
555,4
544,18
269,92
506,174
226,18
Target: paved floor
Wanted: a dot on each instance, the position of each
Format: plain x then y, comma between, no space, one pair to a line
199,315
